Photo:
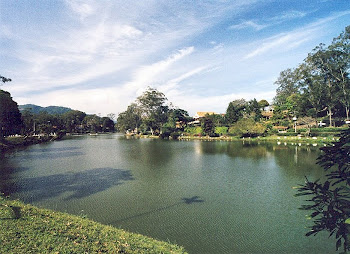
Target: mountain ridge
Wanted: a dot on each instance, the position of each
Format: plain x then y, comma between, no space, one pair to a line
35,109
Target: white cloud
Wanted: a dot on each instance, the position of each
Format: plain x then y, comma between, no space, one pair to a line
81,7
287,41
257,26
248,24
292,14
280,42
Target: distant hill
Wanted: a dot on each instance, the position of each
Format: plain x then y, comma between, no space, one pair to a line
35,109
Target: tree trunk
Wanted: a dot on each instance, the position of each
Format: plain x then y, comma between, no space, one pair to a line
330,116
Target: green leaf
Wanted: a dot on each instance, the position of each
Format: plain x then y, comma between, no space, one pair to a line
347,221
338,244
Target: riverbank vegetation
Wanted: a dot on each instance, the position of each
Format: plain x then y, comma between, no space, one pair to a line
28,229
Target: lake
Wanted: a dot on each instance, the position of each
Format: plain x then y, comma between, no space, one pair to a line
210,197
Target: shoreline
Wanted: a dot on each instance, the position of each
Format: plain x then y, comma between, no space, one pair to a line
294,140
10,143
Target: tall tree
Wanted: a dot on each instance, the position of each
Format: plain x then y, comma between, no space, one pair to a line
10,117
235,110
340,66
153,108
288,83
254,109
322,66
129,119
208,126
263,104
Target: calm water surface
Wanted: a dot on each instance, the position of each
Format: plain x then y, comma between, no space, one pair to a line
210,197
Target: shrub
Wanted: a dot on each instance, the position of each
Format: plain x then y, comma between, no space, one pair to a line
194,130
247,127
221,130
164,135
175,135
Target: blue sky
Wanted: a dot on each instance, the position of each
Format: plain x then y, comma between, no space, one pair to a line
98,56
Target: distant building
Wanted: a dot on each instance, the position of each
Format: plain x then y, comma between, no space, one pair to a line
202,114
267,113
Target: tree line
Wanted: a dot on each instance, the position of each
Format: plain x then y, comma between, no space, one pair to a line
150,113
12,121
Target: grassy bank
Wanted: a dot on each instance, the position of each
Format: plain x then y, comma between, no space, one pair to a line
28,229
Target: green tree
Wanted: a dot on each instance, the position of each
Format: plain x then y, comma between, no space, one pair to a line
340,66
329,201
235,111
129,119
263,104
107,124
247,127
254,109
10,117
28,121
177,118
208,126
322,66
73,120
92,123
153,108
288,83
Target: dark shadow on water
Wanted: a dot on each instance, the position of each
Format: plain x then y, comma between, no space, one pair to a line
194,199
77,185
188,201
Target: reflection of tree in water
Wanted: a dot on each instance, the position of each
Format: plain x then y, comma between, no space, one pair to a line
295,158
78,185
147,152
188,201
236,149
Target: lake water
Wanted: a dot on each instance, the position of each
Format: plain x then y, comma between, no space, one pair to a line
210,197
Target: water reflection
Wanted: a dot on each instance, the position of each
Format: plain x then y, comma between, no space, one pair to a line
74,185
236,149
149,152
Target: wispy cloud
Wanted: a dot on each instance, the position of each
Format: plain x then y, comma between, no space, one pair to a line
248,24
265,23
81,7
281,42
287,41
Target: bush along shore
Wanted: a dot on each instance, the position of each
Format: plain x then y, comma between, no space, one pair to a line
29,229
12,142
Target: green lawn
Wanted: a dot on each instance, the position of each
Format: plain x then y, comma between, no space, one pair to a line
28,229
